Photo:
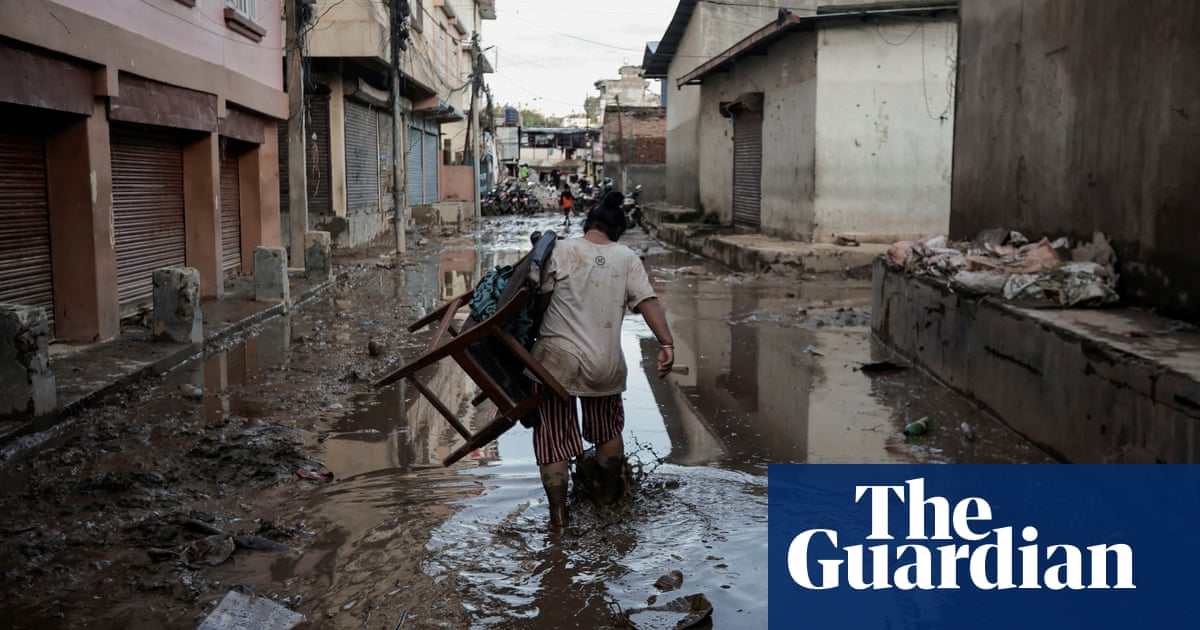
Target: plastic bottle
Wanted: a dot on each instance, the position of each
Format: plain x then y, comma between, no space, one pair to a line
918,427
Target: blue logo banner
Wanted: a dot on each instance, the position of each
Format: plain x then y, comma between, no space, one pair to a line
983,546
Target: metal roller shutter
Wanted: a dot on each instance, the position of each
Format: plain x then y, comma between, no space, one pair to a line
430,165
320,200
385,166
747,168
415,183
231,214
25,273
362,158
148,220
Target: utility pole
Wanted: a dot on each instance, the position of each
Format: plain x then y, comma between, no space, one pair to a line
473,120
620,142
297,145
399,36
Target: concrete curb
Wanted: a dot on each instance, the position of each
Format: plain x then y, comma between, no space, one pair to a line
1073,381
756,253
48,426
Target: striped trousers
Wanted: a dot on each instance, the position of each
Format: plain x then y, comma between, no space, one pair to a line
557,438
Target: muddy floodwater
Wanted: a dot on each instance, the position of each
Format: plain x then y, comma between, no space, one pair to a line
96,519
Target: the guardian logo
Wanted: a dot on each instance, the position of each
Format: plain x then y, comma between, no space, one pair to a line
973,553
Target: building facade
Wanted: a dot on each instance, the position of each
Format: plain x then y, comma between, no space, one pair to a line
635,149
835,124
697,32
133,138
348,110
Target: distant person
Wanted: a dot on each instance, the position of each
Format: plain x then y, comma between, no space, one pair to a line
524,177
566,202
556,178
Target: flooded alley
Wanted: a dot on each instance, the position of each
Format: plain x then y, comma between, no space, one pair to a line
289,442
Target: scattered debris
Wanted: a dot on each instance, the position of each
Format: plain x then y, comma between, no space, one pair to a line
880,367
242,541
813,351
212,550
679,614
376,348
669,581
191,391
313,475
918,427
421,242
1006,264
847,241
967,431
242,612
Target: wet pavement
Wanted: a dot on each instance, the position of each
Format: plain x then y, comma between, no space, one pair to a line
92,520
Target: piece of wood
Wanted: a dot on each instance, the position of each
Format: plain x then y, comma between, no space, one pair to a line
441,407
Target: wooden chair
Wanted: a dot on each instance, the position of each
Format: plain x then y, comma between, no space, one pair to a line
489,354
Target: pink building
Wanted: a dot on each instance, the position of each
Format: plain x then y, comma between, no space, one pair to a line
134,135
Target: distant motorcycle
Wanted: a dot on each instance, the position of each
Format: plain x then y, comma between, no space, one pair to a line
633,209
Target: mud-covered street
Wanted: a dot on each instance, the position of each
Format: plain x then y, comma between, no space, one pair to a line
290,477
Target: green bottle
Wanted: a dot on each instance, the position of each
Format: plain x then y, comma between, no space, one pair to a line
918,427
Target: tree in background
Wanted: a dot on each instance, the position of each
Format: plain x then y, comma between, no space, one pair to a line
533,118
591,107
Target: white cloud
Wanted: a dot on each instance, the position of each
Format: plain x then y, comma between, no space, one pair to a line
550,53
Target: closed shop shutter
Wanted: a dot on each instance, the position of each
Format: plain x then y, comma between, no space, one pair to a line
747,168
385,166
25,274
362,158
430,164
416,186
231,214
281,129
320,200
148,223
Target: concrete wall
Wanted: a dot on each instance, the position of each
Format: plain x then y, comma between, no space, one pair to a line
787,78
639,134
457,183
351,30
652,178
1072,381
884,130
174,25
1075,116
712,29
182,46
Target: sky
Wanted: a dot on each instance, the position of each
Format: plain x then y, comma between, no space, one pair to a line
549,53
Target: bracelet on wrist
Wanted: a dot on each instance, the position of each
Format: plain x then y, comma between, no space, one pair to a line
667,345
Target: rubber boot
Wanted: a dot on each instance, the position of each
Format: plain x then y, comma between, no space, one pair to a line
555,485
612,488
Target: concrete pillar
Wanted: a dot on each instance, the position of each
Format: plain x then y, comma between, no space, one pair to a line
271,275
202,212
26,384
259,180
318,256
83,259
177,305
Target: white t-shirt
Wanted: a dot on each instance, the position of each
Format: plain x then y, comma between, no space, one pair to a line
580,341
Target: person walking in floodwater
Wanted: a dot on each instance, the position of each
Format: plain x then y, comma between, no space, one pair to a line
588,284
566,202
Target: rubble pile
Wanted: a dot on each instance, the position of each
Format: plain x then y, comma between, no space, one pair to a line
1005,263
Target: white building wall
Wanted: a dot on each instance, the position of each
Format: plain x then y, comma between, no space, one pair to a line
884,130
786,76
712,29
